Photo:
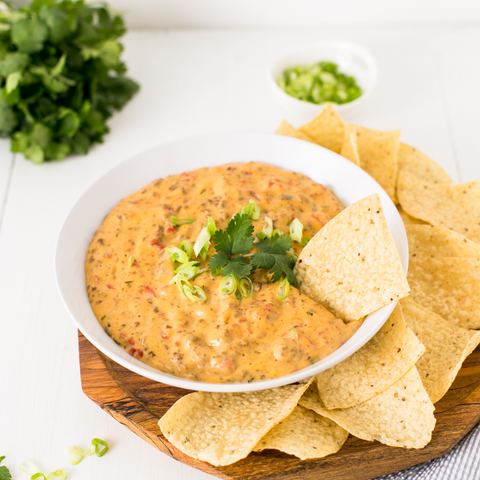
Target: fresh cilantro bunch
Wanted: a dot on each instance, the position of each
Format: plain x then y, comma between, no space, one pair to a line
234,244
61,76
4,471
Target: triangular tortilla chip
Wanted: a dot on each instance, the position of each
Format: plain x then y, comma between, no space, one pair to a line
351,266
349,148
382,361
326,129
378,153
401,416
287,130
449,287
418,164
430,241
222,428
447,346
304,434
407,219
456,207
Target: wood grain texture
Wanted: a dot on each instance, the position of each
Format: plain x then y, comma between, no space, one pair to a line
138,403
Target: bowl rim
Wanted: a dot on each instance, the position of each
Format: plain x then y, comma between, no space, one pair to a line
316,108
132,364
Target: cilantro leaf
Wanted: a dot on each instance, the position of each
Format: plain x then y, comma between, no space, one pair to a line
217,262
29,34
237,239
4,471
238,266
272,254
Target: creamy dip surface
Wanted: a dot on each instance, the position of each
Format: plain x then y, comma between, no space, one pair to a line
223,340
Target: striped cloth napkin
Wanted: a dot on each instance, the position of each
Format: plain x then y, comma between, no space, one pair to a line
461,463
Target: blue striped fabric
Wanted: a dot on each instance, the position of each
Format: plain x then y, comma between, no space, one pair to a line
461,463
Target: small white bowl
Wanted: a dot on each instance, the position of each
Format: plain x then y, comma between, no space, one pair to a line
352,59
347,181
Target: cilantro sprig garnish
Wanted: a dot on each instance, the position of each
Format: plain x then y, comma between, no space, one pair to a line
233,246
4,471
272,254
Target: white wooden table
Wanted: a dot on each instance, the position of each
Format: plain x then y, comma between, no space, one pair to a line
193,82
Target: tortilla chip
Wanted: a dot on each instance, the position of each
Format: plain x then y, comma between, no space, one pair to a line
401,416
382,361
304,434
222,428
351,266
447,346
449,287
287,130
326,129
456,207
349,148
430,241
378,152
418,164
407,219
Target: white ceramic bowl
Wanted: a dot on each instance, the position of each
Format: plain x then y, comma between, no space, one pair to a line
351,59
345,179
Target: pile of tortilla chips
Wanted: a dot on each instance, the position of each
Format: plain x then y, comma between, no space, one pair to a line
386,390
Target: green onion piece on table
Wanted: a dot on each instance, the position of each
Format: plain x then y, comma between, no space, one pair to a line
182,221
29,468
101,447
58,475
296,230
245,287
76,454
177,255
37,476
283,289
186,246
228,285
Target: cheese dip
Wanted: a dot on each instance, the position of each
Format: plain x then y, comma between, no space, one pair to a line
223,340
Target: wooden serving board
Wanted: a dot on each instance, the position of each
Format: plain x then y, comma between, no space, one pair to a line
138,403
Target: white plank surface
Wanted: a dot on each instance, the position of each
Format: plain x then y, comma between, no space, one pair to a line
192,82
6,166
281,13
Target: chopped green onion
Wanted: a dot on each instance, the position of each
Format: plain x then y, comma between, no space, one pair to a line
245,287
38,475
101,447
76,454
305,241
196,294
277,231
296,230
186,246
237,294
252,210
177,255
29,468
210,226
283,289
186,266
203,240
268,227
57,475
228,285
131,260
319,83
182,283
261,235
182,221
